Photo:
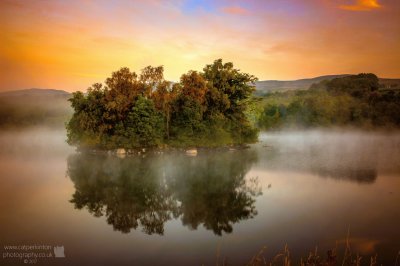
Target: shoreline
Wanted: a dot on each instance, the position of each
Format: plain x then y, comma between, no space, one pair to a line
191,151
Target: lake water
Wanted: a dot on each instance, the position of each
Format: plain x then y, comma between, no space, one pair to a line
303,189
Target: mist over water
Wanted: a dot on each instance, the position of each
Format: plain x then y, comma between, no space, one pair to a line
332,151
303,188
34,142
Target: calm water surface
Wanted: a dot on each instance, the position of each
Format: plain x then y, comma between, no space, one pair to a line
303,189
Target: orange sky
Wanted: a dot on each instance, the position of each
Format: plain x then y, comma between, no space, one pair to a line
71,44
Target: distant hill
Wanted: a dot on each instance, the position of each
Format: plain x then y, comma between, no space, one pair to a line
34,107
265,86
35,92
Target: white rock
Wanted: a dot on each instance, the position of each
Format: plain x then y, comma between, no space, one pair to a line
121,151
191,152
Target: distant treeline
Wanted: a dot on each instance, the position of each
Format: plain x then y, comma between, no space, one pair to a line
356,100
204,109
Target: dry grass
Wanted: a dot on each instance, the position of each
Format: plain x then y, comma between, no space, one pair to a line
313,259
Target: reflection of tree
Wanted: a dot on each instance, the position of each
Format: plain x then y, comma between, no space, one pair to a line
147,192
213,192
127,192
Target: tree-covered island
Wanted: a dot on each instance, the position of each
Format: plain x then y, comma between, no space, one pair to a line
131,111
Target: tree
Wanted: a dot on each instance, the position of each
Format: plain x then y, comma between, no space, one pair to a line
194,86
163,97
85,127
150,78
144,124
229,94
122,89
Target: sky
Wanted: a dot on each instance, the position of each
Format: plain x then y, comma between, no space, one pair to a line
70,45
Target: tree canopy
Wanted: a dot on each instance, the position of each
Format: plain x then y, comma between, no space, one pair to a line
205,109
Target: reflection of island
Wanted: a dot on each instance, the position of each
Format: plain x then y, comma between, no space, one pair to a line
146,192
213,192
128,192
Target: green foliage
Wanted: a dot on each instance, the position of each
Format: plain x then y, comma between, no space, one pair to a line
207,109
348,101
144,124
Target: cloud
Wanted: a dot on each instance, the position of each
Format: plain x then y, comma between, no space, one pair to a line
70,46
235,10
362,5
